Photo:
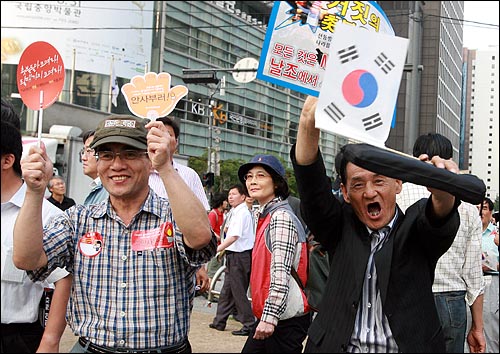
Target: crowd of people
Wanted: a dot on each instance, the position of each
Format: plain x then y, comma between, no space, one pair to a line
406,261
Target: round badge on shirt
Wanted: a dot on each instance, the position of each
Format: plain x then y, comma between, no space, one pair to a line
91,244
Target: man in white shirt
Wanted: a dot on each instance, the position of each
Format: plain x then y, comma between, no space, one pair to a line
192,180
22,330
239,238
188,174
458,279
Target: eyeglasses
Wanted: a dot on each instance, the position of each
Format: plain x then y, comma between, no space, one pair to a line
124,155
259,176
86,151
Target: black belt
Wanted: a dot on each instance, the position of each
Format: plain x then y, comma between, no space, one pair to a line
93,348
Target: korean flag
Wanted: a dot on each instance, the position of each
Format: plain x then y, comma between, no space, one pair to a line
361,83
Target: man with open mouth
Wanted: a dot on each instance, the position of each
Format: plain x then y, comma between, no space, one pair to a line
378,297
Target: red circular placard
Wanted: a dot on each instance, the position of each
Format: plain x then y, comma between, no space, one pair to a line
40,68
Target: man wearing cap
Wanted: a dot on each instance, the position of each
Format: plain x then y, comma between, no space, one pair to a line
378,297
133,293
279,262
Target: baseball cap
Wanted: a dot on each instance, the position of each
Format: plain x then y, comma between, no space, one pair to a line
264,160
124,129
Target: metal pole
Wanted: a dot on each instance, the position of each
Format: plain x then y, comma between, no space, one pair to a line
209,162
412,118
72,82
111,78
210,118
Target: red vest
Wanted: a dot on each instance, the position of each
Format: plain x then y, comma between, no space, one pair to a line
260,276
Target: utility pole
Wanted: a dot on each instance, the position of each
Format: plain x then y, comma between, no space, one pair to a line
412,110
209,76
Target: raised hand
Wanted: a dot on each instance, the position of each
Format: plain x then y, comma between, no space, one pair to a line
159,141
37,168
150,96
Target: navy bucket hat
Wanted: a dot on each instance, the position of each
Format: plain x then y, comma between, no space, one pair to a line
264,160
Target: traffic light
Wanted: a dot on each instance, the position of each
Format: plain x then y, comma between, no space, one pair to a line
208,179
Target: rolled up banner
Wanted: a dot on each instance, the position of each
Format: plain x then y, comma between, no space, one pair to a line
466,187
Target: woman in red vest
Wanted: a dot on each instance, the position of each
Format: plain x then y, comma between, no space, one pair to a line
280,249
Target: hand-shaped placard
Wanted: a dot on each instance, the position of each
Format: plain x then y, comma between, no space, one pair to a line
150,96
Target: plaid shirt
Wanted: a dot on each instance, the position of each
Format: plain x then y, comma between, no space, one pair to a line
284,238
459,269
125,298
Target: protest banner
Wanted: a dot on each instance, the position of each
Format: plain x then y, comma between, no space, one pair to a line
150,96
40,78
299,38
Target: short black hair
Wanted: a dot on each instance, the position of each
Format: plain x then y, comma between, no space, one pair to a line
12,143
218,199
340,164
171,122
87,135
489,202
9,114
239,187
433,144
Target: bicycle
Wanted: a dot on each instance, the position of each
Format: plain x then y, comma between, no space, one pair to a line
213,292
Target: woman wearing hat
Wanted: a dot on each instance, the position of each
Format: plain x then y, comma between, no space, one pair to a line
280,245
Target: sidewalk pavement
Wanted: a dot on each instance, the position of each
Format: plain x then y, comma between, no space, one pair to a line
202,338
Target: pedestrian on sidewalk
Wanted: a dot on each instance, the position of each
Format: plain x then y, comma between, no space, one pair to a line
237,245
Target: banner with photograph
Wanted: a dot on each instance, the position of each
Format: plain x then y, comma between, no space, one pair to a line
299,39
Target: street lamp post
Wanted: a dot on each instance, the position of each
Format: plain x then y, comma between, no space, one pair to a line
209,76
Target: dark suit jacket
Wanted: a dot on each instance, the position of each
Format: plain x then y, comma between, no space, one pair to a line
405,267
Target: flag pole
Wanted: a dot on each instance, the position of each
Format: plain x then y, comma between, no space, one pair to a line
72,82
40,120
110,94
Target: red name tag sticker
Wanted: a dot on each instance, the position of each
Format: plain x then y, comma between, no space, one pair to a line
160,237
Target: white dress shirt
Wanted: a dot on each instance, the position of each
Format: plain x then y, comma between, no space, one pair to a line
241,225
20,296
459,269
188,175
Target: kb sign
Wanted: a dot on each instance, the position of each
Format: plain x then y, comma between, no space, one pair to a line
220,116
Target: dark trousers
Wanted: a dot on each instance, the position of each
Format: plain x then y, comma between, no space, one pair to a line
234,291
288,337
21,337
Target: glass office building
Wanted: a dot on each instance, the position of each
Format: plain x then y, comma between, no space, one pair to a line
233,120
247,118
236,120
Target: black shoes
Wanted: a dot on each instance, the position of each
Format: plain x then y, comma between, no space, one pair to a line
241,332
211,325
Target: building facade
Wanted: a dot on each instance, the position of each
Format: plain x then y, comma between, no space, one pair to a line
483,135
241,119
430,94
